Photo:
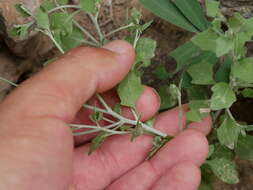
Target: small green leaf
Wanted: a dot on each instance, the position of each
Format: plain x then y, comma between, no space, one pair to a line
89,6
47,5
224,169
168,11
206,40
223,46
222,152
73,40
193,12
223,96
161,73
145,49
97,141
247,93
228,132
223,73
42,19
168,95
158,143
62,22
96,116
244,147
193,116
243,70
21,30
184,53
212,8
130,89
201,73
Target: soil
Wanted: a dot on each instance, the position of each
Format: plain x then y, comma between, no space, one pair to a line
21,59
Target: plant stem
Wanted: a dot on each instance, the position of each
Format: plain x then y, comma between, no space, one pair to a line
124,120
86,32
94,19
49,34
8,81
119,29
230,114
63,7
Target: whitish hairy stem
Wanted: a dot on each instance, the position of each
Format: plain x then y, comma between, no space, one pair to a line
94,19
97,129
119,29
8,81
122,119
63,7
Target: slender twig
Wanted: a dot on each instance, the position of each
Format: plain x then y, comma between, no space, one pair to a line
8,81
119,29
63,7
94,20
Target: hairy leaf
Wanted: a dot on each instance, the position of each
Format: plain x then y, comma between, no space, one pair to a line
130,89
223,96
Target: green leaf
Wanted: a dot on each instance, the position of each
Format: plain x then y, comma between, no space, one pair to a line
247,93
161,73
184,53
42,19
200,107
212,8
168,95
201,73
89,6
193,116
130,89
168,11
244,70
224,169
97,141
21,30
222,152
62,22
223,46
73,40
47,5
193,12
145,49
244,147
23,10
206,40
223,73
223,96
228,132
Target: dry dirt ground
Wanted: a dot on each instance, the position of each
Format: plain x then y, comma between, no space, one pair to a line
20,59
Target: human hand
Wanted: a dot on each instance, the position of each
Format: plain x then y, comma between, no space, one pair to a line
37,146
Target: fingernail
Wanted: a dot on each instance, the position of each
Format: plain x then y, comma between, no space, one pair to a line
119,46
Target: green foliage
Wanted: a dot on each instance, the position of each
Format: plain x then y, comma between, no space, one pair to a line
185,14
244,147
168,95
228,132
130,90
224,169
212,8
223,96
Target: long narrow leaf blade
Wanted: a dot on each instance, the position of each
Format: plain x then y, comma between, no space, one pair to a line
168,11
192,11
